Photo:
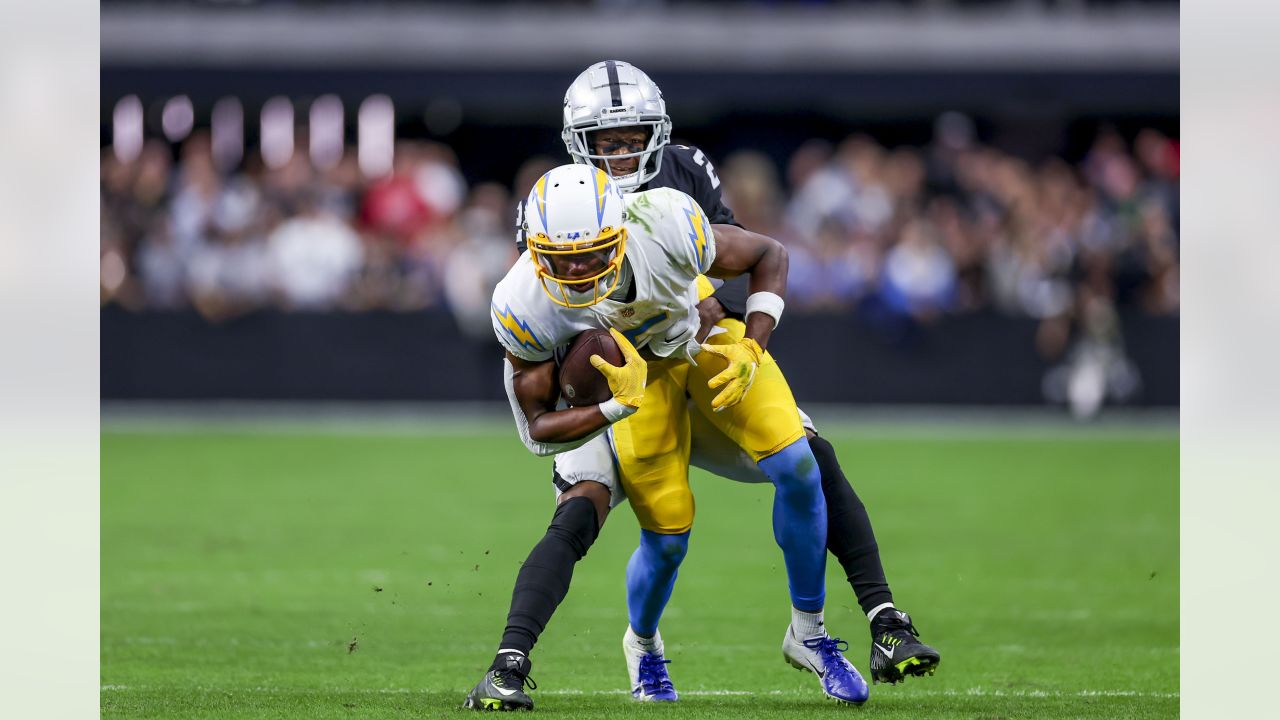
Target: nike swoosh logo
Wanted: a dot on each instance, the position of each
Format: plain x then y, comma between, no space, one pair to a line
816,670
887,652
504,691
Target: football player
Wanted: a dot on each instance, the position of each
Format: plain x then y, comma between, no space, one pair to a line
615,118
641,277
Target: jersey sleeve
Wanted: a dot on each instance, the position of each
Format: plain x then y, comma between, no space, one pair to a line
518,331
689,238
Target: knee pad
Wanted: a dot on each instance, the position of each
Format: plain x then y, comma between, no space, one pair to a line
575,523
667,512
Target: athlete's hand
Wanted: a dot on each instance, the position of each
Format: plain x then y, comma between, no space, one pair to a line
626,382
736,379
710,312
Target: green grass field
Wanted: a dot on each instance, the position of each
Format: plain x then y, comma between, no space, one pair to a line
366,575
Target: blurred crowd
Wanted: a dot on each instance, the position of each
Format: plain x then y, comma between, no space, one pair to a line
906,232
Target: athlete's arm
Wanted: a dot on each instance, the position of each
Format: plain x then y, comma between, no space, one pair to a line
533,392
741,251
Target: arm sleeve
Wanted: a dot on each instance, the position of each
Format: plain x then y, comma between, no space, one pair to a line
540,449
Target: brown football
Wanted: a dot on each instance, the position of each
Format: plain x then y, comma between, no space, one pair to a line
580,383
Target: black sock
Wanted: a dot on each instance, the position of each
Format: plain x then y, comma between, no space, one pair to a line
849,534
544,578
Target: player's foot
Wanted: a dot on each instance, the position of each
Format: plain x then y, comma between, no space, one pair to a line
647,668
895,651
503,686
823,656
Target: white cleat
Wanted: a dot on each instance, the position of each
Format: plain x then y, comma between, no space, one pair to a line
647,669
823,656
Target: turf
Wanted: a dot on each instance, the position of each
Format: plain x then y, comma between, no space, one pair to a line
280,575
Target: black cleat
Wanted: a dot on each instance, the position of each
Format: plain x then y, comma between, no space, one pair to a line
503,686
895,651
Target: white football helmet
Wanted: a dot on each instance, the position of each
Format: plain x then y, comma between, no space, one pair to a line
611,94
572,222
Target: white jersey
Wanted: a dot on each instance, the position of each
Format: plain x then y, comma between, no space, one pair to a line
669,243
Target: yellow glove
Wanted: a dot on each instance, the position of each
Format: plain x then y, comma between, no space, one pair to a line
626,382
744,358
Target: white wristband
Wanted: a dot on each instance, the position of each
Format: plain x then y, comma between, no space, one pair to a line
768,303
614,411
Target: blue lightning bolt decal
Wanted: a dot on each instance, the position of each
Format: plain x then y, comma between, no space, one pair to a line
518,329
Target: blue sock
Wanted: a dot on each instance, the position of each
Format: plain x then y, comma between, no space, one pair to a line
651,575
800,522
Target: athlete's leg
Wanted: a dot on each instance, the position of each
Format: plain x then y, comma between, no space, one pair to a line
543,580
652,450
896,650
587,485
849,535
800,522
767,427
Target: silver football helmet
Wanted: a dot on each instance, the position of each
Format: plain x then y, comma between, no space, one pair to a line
611,94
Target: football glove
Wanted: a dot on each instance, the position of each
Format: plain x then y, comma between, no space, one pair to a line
736,379
626,382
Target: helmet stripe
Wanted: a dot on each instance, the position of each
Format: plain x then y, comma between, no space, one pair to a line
540,191
615,89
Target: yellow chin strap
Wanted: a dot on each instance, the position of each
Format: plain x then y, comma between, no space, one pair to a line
558,289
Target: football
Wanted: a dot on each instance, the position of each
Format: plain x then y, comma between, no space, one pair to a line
580,383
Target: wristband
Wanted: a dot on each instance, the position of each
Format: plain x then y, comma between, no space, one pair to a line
765,302
614,411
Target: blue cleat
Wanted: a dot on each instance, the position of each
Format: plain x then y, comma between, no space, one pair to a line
648,669
823,656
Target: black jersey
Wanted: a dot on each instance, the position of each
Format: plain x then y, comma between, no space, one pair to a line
687,169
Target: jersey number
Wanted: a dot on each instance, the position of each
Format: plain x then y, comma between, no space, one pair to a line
701,159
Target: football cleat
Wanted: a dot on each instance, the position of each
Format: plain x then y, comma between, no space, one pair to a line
648,669
503,686
895,651
823,656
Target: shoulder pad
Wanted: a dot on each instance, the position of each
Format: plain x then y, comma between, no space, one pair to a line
679,224
518,329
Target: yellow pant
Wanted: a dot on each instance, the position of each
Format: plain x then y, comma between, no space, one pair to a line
652,445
